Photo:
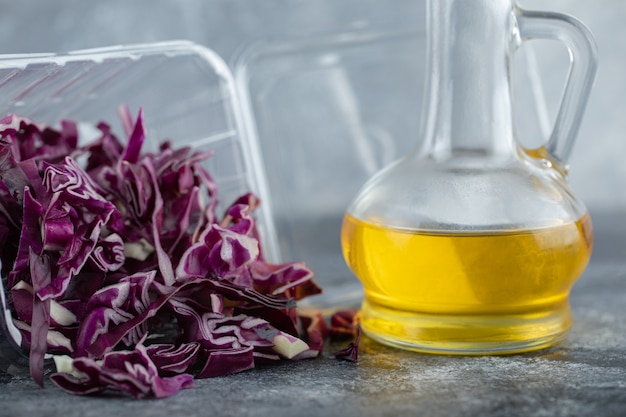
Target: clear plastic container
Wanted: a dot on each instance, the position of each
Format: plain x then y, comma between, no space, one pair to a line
187,94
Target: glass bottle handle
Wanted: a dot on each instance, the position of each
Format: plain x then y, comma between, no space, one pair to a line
583,65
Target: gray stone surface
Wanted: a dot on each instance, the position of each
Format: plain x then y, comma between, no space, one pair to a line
583,376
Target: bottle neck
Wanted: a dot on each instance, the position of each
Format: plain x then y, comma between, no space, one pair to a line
468,98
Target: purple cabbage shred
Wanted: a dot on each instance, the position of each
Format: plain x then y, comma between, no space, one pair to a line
121,262
344,324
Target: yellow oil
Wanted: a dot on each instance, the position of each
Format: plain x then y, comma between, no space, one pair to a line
467,293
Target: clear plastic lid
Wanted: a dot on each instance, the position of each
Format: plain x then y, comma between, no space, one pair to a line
328,113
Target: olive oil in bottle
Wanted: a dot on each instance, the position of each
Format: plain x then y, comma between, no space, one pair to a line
466,290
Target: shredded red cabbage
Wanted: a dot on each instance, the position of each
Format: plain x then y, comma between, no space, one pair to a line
345,324
351,352
130,371
104,257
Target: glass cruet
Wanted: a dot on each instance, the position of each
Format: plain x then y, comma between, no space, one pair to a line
471,243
